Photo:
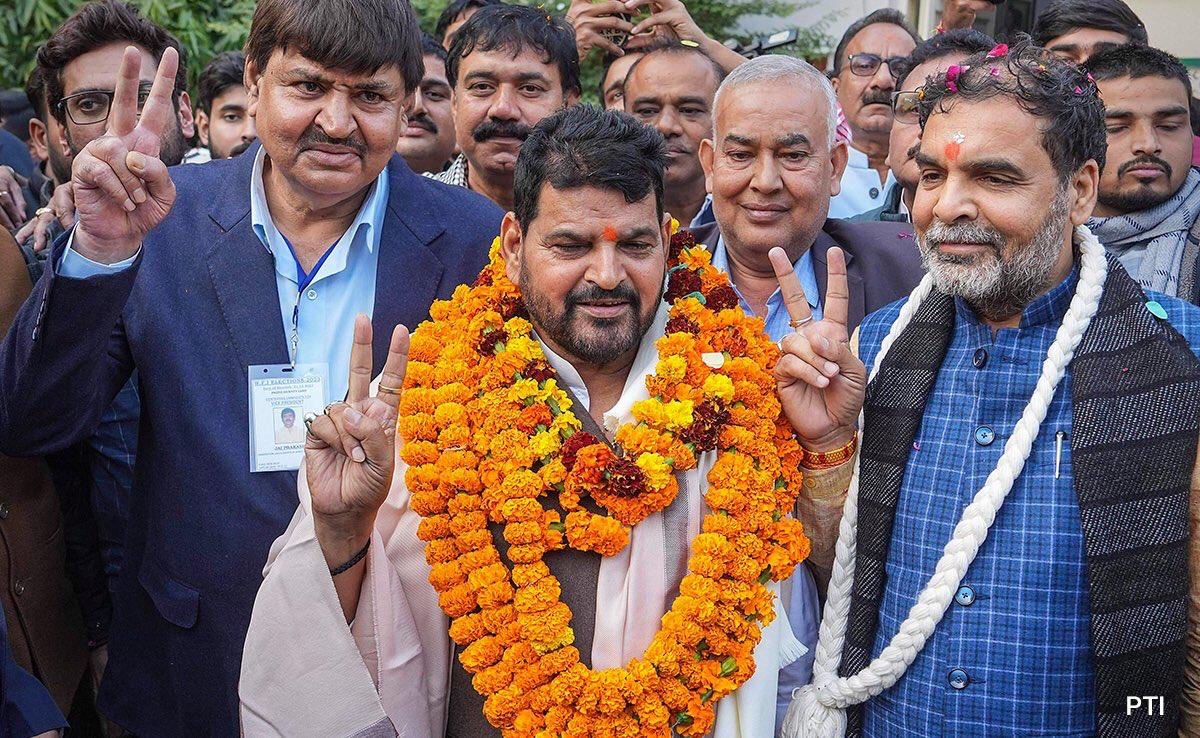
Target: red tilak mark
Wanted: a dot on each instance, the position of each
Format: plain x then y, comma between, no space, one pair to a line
952,150
610,233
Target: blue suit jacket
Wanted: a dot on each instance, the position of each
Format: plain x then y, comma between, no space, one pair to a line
198,307
26,708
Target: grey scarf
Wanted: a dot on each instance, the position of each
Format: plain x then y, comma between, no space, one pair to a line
1150,243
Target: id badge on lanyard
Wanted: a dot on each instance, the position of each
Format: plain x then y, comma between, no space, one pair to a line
279,397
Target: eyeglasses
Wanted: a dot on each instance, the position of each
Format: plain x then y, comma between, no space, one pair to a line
866,65
905,106
91,107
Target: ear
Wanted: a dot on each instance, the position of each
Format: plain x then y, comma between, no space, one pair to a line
202,127
64,143
834,81
571,98
510,245
38,143
666,232
187,125
707,155
1085,186
251,79
839,156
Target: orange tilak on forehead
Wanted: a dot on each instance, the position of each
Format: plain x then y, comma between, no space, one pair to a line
954,147
610,233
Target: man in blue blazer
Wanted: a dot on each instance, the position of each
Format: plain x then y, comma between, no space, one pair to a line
197,275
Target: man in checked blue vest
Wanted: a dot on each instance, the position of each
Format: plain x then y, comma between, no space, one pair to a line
1015,551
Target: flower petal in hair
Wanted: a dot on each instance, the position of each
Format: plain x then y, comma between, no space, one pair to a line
952,75
998,51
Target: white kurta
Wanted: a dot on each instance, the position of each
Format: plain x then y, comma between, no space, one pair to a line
305,672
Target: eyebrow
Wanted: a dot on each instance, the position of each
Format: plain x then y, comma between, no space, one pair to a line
311,75
1163,113
142,85
739,140
1064,47
231,107
569,233
978,165
487,74
794,139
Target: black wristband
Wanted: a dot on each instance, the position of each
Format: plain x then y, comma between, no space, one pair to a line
353,560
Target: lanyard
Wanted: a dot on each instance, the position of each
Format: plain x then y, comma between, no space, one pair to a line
302,282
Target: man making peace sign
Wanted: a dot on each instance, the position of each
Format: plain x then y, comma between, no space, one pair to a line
231,287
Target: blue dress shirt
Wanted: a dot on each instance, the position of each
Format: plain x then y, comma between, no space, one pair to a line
799,594
1012,657
861,189
343,287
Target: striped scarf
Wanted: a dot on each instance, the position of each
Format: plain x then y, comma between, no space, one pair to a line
1151,243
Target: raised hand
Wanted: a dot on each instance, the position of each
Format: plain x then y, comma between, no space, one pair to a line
12,200
61,210
821,382
349,454
961,13
121,187
598,25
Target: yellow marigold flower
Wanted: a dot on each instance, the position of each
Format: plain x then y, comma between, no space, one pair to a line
544,444
658,470
671,368
719,386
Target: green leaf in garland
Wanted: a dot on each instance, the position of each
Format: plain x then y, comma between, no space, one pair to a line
765,576
728,666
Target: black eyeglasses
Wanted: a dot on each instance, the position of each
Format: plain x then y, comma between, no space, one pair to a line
91,107
866,65
905,106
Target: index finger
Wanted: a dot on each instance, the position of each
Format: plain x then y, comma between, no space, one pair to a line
360,360
122,112
793,295
395,367
159,109
837,291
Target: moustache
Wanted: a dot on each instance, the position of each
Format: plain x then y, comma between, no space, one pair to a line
939,233
592,293
871,97
423,121
1146,159
490,129
314,137
241,148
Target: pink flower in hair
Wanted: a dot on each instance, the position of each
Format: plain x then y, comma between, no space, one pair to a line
998,51
995,72
1078,90
952,75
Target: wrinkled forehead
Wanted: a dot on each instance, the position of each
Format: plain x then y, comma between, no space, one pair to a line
289,65
768,111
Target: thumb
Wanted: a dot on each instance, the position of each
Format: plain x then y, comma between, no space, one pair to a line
152,171
376,444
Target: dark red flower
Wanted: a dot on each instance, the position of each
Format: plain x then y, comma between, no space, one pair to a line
511,307
483,280
707,420
538,371
681,283
487,342
573,445
683,239
625,478
680,324
721,297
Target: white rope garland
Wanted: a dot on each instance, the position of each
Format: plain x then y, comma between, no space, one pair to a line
819,709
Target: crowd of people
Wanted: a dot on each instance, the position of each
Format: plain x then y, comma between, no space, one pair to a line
387,387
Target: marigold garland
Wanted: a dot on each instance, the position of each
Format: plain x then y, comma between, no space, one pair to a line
488,432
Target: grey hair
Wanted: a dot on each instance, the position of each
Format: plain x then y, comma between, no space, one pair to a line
775,67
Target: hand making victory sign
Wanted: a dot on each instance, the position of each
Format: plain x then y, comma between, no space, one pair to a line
121,187
821,382
349,454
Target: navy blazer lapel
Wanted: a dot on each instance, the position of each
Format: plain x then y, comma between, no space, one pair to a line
409,272
858,301
242,271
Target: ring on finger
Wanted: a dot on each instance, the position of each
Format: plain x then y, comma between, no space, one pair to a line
385,390
800,323
309,418
42,211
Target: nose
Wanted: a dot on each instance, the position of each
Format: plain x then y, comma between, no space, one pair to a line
335,117
605,269
504,104
953,201
667,122
249,129
1145,139
418,105
882,79
766,177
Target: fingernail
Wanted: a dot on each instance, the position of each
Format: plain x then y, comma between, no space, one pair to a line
353,415
136,160
830,368
139,196
129,205
822,381
357,454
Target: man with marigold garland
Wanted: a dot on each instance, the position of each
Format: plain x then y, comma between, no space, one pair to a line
596,495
